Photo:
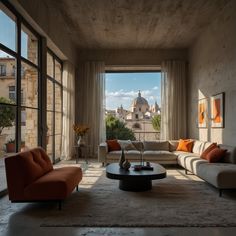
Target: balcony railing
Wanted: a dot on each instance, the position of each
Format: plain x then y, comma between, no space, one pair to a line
147,136
139,135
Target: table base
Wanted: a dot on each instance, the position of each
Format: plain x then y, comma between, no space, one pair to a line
137,185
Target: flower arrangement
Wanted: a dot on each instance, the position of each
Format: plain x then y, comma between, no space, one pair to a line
80,130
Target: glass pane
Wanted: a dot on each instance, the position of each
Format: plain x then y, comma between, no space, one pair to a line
7,78
58,71
50,135
7,139
58,131
57,146
29,86
29,128
58,98
8,28
49,95
7,129
58,123
29,45
50,65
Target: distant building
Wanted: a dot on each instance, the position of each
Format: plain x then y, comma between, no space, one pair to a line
138,118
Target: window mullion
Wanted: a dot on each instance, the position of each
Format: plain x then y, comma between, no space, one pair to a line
18,85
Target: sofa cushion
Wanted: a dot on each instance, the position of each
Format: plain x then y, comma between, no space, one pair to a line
216,155
129,154
159,156
205,146
57,184
185,145
138,145
230,156
209,149
221,175
173,144
34,164
197,146
189,161
113,145
156,145
133,155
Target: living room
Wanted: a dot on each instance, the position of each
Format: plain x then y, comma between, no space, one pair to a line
59,51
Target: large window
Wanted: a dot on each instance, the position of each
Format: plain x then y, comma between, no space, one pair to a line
19,85
54,106
133,99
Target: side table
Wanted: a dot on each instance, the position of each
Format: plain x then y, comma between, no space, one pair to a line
79,152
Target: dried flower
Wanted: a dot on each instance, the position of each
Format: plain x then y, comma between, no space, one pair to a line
80,130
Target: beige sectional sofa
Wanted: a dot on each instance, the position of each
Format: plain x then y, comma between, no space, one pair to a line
222,175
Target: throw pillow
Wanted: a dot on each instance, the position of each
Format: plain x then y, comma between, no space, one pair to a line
185,145
210,148
216,155
126,144
113,145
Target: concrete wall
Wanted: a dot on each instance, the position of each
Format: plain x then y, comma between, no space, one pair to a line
132,57
50,24
213,70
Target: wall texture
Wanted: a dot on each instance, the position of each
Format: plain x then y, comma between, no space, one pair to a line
213,70
133,57
50,24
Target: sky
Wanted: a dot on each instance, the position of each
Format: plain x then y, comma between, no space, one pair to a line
8,35
122,88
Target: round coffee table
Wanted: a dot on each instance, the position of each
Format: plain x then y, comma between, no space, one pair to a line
131,180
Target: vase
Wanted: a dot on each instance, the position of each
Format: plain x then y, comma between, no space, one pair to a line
126,164
122,158
79,140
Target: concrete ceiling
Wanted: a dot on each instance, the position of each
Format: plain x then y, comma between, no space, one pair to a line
135,24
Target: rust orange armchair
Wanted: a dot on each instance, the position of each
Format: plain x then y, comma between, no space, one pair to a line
31,177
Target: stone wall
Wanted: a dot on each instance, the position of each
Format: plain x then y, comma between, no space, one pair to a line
212,71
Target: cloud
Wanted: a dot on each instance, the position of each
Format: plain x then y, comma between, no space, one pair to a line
155,88
116,98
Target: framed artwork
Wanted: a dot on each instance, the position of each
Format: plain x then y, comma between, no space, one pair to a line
202,113
217,110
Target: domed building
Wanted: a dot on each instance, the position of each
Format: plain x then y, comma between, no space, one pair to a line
138,118
140,104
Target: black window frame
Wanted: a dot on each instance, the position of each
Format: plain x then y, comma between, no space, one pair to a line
19,21
55,83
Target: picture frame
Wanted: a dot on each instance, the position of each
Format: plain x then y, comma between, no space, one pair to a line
217,110
202,113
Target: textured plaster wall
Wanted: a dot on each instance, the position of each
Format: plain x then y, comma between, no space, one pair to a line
213,70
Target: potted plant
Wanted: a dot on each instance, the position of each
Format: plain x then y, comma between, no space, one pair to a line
10,145
7,117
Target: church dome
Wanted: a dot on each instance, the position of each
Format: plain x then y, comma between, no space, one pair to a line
139,101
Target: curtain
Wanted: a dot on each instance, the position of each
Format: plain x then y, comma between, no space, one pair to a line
68,110
90,103
173,99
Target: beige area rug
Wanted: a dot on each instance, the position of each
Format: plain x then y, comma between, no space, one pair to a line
178,200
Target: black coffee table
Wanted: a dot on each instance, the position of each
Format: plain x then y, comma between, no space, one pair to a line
132,180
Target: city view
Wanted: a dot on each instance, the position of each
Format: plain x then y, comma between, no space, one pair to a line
133,100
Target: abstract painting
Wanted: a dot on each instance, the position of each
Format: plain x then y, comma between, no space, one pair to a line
217,111
202,113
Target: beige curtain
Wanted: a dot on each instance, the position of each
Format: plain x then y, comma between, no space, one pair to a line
68,110
90,103
173,93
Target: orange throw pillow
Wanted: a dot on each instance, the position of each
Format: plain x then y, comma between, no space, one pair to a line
113,145
210,148
216,155
185,145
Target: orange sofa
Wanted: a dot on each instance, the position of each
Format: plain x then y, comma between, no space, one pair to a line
31,177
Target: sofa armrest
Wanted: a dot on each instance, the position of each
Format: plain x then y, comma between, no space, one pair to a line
102,152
